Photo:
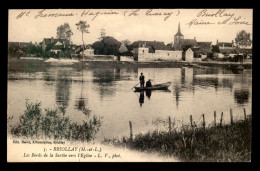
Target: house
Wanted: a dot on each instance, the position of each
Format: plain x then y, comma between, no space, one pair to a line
154,51
88,51
225,45
56,47
189,55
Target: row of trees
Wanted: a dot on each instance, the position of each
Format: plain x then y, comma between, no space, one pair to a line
106,45
14,50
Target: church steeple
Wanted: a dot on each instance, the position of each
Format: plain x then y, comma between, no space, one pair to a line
179,28
179,31
177,38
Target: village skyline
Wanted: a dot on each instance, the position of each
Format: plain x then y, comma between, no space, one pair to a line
133,28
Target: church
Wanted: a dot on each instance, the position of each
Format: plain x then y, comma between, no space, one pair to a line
199,48
181,49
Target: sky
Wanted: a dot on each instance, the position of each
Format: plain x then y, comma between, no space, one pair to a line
132,24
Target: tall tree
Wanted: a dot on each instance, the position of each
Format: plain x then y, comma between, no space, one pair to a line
64,32
82,26
243,39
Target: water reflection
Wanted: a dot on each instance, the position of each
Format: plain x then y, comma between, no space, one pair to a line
241,96
104,78
141,98
148,93
63,86
81,101
177,90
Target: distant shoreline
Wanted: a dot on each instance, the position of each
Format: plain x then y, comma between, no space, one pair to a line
155,64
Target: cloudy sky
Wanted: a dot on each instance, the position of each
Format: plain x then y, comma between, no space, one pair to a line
131,24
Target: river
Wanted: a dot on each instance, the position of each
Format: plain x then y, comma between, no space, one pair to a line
108,93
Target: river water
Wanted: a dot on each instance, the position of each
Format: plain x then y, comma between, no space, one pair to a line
108,93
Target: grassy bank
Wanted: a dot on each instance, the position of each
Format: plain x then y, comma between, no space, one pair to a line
227,143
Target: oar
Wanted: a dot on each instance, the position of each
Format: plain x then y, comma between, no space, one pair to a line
135,85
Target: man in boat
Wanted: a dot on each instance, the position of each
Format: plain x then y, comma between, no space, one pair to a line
148,83
141,78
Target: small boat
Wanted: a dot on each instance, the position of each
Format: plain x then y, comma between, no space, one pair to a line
162,86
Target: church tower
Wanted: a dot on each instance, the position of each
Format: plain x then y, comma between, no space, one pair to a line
177,37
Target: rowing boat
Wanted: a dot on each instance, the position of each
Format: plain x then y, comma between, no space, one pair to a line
162,86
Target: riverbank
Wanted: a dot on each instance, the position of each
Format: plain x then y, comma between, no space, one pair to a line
14,64
227,143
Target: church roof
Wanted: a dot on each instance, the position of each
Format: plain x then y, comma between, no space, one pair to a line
191,42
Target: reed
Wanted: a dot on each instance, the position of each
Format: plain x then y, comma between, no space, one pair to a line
53,124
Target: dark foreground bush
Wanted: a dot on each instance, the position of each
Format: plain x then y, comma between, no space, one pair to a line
53,124
220,143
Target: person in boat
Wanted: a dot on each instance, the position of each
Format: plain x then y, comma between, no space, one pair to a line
141,79
148,83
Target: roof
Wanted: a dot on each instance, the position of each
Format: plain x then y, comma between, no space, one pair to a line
204,45
191,42
48,41
226,44
154,45
229,51
122,48
79,48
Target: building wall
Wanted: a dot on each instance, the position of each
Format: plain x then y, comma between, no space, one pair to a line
168,55
99,58
189,55
126,58
144,55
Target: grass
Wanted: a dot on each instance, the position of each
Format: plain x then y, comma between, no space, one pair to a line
53,124
227,143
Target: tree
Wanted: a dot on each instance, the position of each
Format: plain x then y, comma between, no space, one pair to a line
16,51
102,34
243,39
64,32
32,49
82,26
107,46
126,42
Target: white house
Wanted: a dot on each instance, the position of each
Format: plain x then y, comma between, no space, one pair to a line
167,55
189,55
